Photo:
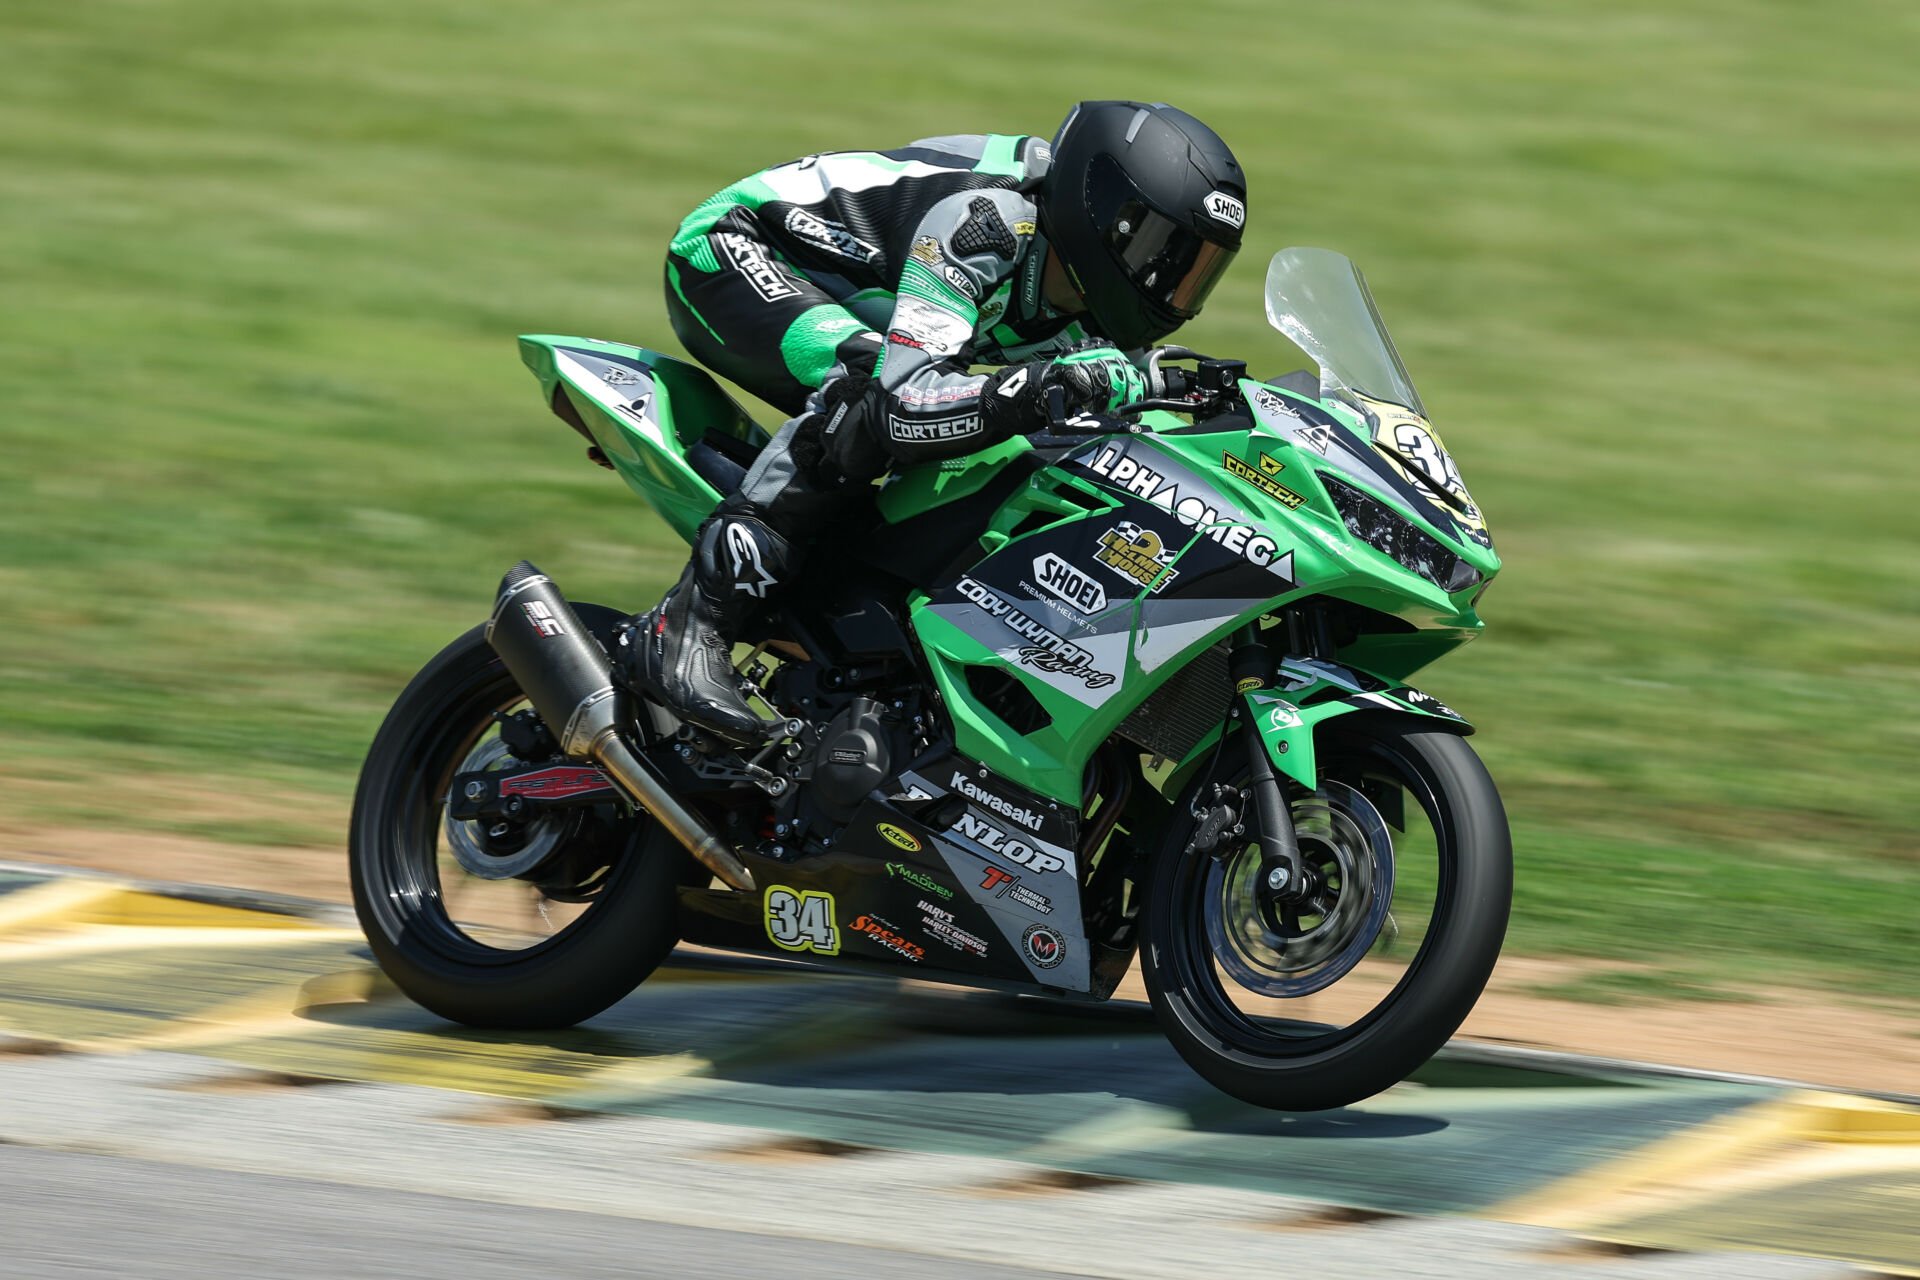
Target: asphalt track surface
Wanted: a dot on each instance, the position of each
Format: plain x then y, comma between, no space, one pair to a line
88,1215
194,1088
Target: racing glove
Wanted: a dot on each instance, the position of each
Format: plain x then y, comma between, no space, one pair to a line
1094,377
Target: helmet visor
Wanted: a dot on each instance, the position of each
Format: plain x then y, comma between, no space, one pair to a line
1172,266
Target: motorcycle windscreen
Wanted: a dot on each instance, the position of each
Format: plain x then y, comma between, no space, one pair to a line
1319,299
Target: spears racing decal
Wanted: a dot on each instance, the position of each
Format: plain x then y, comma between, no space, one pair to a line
883,932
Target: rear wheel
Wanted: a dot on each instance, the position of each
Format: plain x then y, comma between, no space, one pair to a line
1302,1005
540,924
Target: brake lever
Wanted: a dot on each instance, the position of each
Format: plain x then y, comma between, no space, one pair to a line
1172,406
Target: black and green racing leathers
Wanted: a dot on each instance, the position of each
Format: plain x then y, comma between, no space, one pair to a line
909,265
854,290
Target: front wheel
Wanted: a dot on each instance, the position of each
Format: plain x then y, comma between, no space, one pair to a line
1306,1005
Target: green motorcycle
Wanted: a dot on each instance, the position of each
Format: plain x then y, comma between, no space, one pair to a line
1130,686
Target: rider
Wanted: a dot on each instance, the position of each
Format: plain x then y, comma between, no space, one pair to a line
1050,260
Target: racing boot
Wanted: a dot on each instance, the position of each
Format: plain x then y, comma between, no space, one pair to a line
680,654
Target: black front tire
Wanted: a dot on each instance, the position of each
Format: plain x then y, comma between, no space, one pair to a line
565,979
1312,1072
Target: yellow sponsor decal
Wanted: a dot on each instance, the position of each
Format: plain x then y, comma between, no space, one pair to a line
1261,481
1023,228
1136,553
1414,449
1247,684
1271,465
897,838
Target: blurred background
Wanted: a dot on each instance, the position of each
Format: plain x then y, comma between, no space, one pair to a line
266,444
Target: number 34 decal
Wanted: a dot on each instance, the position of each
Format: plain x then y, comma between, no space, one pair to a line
801,921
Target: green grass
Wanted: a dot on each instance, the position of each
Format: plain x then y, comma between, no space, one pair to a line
267,444
1634,987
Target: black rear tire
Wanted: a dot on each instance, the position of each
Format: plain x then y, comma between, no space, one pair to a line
1304,1071
589,965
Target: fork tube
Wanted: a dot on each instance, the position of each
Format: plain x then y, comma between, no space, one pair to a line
1282,873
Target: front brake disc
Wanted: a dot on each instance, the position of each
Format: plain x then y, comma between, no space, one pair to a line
1290,949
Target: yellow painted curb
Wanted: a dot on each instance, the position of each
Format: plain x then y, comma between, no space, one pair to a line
55,903
1838,1118
153,910
1674,1169
1592,1195
67,902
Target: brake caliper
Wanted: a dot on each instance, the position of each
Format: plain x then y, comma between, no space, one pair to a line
1217,822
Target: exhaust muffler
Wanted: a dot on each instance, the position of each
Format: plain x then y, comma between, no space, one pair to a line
565,674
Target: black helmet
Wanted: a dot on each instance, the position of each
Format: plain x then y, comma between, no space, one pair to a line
1144,205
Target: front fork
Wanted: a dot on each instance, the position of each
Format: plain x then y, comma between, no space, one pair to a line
1283,873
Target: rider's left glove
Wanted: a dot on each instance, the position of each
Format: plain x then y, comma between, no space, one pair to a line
1093,377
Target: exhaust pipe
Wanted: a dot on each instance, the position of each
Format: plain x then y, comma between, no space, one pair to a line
565,674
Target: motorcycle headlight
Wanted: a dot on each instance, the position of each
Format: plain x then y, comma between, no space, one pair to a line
1386,531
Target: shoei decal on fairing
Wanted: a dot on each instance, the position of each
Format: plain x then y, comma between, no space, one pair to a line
1083,606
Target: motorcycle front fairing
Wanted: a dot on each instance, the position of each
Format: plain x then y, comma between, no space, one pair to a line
1125,561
